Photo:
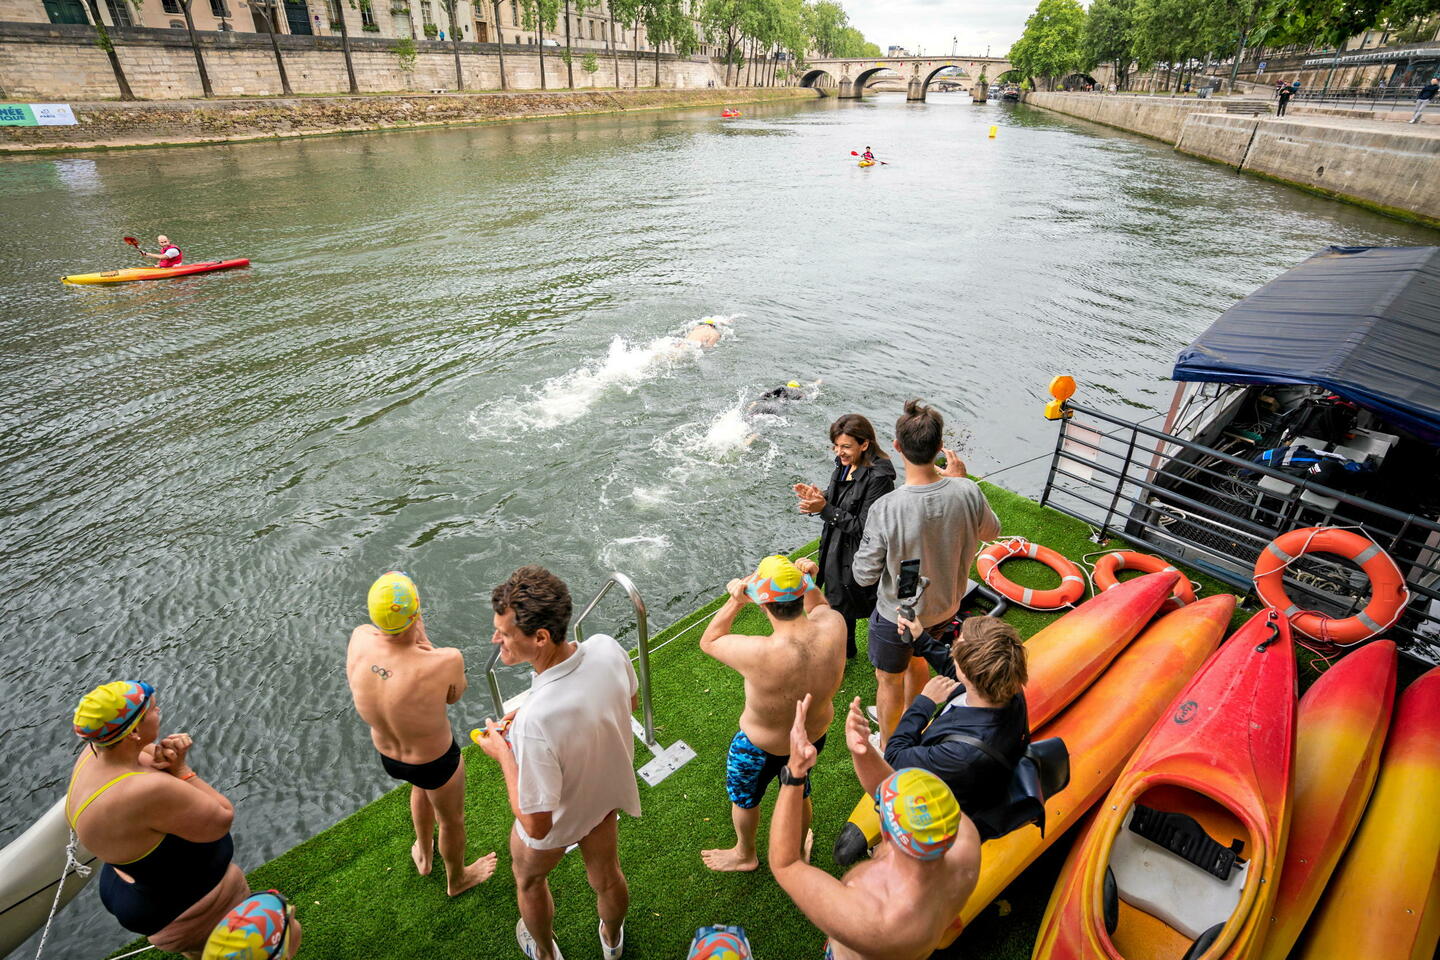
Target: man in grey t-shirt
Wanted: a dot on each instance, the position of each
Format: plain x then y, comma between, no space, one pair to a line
940,520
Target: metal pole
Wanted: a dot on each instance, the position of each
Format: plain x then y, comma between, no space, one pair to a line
643,631
494,682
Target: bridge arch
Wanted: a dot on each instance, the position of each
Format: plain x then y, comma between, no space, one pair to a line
959,72
816,78
863,79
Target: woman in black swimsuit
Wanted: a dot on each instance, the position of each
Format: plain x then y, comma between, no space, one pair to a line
162,831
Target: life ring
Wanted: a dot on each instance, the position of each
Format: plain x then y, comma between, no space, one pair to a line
1072,581
1388,593
1112,563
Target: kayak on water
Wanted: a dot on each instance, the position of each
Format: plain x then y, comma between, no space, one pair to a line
867,163
153,273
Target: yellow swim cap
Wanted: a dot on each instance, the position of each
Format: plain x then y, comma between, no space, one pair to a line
107,714
394,602
793,385
778,580
919,813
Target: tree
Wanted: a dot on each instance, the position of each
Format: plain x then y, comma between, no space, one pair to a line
1051,46
451,8
590,63
267,10
536,15
338,22
610,40
722,22
824,21
667,22
405,54
205,88
628,13
1107,36
104,42
499,41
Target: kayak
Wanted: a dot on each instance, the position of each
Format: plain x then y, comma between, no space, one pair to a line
1062,660
867,163
30,867
1183,856
1383,903
1339,735
1100,730
153,273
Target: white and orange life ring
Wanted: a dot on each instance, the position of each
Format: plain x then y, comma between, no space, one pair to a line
1388,593
1112,563
1072,581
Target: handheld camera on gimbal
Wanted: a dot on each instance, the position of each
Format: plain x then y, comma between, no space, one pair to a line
909,590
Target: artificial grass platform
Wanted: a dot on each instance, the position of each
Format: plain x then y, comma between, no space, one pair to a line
358,896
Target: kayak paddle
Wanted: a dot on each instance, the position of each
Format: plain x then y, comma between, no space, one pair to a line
881,162
134,243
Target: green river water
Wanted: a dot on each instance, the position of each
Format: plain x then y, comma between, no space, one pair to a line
453,354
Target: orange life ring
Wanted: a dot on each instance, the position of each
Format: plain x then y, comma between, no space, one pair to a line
1072,581
1112,563
1388,593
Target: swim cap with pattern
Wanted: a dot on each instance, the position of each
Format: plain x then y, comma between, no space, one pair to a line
778,580
107,714
256,928
394,602
918,812
722,943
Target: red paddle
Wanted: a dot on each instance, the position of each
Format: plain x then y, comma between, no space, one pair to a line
134,243
881,162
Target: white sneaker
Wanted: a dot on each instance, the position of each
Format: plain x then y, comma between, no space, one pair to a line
527,942
873,713
609,952
875,743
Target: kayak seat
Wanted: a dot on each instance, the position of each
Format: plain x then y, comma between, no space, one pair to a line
1161,880
1042,772
1110,903
1204,942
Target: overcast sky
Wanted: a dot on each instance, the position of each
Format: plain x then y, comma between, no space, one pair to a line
933,23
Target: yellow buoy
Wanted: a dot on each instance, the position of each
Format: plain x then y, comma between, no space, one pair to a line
993,131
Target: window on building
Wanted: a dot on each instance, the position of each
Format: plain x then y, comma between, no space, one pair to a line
219,9
367,14
119,12
427,17
172,6
515,14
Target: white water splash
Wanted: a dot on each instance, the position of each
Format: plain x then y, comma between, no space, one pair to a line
631,550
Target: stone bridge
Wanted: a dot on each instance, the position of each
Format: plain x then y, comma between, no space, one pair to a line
852,76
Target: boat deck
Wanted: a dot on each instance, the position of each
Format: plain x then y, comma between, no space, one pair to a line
358,895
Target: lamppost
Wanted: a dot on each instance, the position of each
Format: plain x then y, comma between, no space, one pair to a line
954,42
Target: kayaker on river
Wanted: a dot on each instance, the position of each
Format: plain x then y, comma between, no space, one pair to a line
169,255
867,155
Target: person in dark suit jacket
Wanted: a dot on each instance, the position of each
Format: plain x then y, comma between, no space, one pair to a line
863,474
984,702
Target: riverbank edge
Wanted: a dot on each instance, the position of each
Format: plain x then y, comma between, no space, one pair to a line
1176,122
287,118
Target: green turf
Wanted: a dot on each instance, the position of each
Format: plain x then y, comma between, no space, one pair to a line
358,896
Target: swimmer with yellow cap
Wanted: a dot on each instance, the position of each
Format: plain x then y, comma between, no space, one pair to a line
706,333
898,903
260,927
394,603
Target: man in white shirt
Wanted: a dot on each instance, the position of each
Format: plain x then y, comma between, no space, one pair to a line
568,758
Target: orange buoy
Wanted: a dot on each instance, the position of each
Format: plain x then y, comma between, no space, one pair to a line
1072,581
1112,563
1388,593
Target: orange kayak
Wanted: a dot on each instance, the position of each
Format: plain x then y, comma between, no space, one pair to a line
1101,729
1383,903
153,273
1339,734
1062,659
1183,856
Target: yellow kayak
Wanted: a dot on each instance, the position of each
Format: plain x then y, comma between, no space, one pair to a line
867,163
153,273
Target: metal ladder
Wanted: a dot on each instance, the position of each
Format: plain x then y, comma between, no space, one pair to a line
665,760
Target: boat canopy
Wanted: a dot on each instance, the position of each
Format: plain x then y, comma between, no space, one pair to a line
1361,322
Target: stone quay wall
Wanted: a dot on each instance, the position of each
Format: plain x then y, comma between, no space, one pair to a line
155,123
45,62
1386,167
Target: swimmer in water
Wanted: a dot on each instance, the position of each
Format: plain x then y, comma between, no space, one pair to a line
706,333
773,401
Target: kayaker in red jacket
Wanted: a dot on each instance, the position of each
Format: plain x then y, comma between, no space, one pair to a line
169,255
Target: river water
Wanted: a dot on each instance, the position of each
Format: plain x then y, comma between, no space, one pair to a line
455,353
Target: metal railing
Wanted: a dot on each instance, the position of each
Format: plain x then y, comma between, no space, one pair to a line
1363,98
643,646
1217,511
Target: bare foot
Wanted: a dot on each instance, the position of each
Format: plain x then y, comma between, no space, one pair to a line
424,859
474,875
809,843
729,861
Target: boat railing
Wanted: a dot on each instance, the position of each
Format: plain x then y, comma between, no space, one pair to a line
1217,510
643,649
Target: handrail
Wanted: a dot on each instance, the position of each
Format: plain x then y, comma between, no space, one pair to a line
642,621
643,642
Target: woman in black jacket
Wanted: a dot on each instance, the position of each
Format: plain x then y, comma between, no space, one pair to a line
863,474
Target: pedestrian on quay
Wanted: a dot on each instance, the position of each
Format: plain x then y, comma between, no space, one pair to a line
568,758
862,475
401,685
1284,95
1423,98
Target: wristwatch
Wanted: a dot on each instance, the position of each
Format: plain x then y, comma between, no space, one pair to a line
787,779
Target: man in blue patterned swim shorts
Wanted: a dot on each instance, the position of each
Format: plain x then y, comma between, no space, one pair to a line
803,655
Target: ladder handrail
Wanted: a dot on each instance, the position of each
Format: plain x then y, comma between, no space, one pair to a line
642,620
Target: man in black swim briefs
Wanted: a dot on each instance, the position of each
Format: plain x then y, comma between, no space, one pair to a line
401,685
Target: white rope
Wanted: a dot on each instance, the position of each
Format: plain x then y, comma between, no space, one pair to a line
1009,544
133,952
81,869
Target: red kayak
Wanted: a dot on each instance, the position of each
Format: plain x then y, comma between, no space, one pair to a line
154,273
1183,857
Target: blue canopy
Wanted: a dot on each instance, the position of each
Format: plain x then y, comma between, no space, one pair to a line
1361,322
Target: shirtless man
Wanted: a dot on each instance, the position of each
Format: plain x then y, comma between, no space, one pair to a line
402,685
895,905
706,333
803,656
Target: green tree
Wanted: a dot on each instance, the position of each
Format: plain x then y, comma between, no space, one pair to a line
195,46
405,56
536,15
1052,45
667,22
451,8
499,40
337,22
1108,29
825,20
627,12
723,23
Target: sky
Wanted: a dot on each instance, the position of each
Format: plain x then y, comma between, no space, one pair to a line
935,24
